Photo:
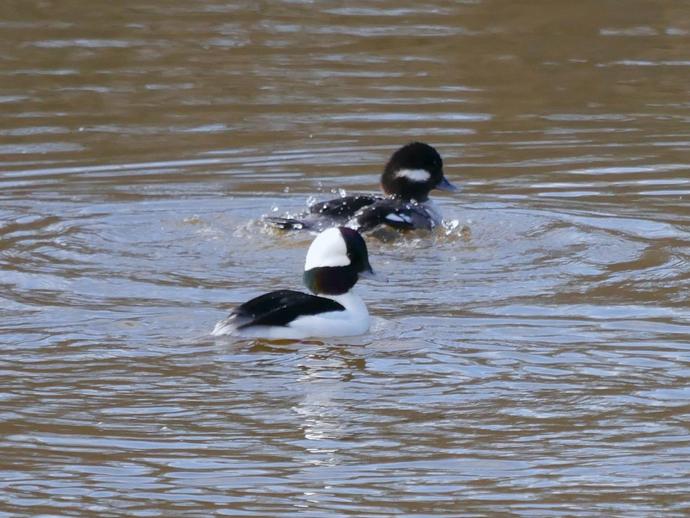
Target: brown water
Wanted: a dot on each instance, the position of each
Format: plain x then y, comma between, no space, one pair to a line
531,359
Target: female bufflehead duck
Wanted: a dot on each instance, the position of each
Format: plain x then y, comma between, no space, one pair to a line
410,174
336,259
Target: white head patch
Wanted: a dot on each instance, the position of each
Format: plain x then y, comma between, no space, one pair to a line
328,249
414,175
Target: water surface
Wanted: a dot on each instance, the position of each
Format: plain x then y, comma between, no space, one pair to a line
531,358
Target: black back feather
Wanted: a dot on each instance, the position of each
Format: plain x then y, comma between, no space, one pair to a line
324,214
343,207
279,308
410,215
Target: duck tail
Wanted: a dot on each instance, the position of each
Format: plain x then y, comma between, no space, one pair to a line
287,223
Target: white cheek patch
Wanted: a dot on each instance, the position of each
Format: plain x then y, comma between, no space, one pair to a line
414,175
328,249
399,218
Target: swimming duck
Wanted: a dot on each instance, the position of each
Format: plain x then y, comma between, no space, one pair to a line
411,173
336,260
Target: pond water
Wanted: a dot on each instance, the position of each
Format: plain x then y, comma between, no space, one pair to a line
530,358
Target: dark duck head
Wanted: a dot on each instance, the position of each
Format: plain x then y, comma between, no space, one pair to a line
336,259
413,171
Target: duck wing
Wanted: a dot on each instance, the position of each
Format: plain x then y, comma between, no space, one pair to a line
344,207
395,213
279,308
324,214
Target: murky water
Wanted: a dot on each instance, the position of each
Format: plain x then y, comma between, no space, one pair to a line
533,358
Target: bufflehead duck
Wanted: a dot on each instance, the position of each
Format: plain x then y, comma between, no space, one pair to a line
336,259
410,174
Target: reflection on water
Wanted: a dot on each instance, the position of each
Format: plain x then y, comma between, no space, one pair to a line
530,358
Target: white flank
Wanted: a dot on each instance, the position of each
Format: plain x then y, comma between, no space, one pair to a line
414,175
328,249
353,321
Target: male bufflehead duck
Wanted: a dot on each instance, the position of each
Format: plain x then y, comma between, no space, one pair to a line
410,174
336,259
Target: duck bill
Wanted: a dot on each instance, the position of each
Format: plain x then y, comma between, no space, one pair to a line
445,185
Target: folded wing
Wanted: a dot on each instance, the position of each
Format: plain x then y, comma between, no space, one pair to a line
279,308
394,213
324,214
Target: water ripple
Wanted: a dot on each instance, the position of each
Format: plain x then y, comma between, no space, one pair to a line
529,358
